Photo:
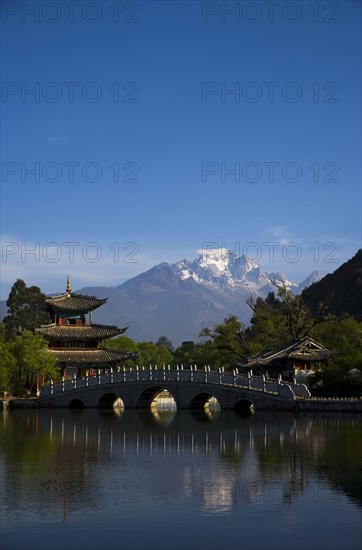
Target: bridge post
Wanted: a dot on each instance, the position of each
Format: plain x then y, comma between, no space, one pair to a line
234,378
205,369
164,372
137,373
62,383
150,372
124,374
86,381
51,386
99,376
191,374
177,373
111,375
263,378
219,375
249,376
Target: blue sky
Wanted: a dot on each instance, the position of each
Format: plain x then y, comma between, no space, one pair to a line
131,131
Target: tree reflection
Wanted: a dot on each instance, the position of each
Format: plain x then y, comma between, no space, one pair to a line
61,461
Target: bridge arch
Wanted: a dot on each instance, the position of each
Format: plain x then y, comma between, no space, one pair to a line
110,400
147,397
244,407
202,399
76,404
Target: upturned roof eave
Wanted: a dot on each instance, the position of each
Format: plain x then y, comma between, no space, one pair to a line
74,303
287,351
90,357
85,332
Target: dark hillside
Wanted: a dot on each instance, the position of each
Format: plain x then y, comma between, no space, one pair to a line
341,291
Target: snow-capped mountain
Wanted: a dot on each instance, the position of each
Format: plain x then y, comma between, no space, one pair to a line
225,270
238,272
178,300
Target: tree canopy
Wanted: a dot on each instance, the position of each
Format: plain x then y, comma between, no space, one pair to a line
26,362
229,344
165,342
26,309
145,353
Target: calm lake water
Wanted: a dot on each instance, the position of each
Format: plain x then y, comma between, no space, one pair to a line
137,480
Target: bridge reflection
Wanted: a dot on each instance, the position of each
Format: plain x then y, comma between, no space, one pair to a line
90,459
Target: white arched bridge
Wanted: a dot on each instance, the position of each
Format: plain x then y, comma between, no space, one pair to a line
190,388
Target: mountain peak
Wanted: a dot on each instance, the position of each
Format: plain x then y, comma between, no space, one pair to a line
226,270
178,299
314,277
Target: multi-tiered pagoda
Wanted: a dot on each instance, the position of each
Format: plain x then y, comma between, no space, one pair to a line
73,341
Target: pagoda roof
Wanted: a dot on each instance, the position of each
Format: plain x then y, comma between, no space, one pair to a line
303,349
80,332
70,302
89,357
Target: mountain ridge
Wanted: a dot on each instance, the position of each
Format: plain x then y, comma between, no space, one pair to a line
340,291
177,300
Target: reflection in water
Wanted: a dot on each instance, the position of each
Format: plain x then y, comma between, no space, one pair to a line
163,417
163,401
209,470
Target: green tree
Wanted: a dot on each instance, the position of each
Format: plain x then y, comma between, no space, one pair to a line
185,354
191,353
278,320
266,327
150,354
32,361
7,360
229,343
26,309
145,353
344,338
123,343
165,342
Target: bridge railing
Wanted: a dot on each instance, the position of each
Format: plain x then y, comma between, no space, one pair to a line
300,390
192,375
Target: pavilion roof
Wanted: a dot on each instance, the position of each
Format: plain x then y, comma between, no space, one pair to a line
83,357
70,302
303,349
80,332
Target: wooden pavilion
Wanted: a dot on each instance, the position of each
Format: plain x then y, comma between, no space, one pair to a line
304,355
75,342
